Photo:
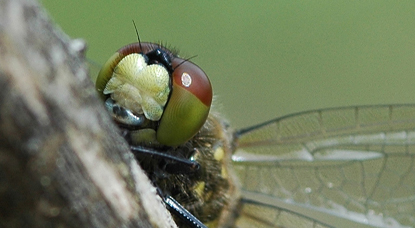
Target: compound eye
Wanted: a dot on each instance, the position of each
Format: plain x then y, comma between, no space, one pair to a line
188,105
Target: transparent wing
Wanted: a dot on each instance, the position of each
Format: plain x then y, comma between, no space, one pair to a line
343,167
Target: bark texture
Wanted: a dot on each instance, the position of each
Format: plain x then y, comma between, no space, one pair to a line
62,161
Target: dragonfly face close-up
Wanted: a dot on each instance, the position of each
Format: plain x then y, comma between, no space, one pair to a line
338,167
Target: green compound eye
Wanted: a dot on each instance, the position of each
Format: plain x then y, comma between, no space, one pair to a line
188,106
145,79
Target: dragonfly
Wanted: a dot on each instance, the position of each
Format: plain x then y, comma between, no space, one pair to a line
336,167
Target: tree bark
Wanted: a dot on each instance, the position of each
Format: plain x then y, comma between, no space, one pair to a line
62,160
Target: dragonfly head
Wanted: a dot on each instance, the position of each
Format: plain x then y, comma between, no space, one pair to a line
149,81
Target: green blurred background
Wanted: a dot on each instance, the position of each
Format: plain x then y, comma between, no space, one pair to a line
266,58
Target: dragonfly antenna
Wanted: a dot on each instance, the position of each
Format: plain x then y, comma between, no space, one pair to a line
185,60
138,36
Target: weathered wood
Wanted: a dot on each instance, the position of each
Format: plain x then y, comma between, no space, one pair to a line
62,162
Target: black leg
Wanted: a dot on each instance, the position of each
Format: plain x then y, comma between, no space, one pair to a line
177,165
177,209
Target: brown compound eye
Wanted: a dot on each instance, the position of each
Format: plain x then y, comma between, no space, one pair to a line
190,95
188,106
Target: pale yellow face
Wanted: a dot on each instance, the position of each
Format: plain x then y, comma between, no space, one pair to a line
141,88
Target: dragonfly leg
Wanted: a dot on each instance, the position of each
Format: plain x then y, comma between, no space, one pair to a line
177,209
175,164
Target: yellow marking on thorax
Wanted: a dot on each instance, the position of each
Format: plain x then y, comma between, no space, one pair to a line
199,188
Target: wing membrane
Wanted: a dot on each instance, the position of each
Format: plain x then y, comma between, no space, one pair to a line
351,165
